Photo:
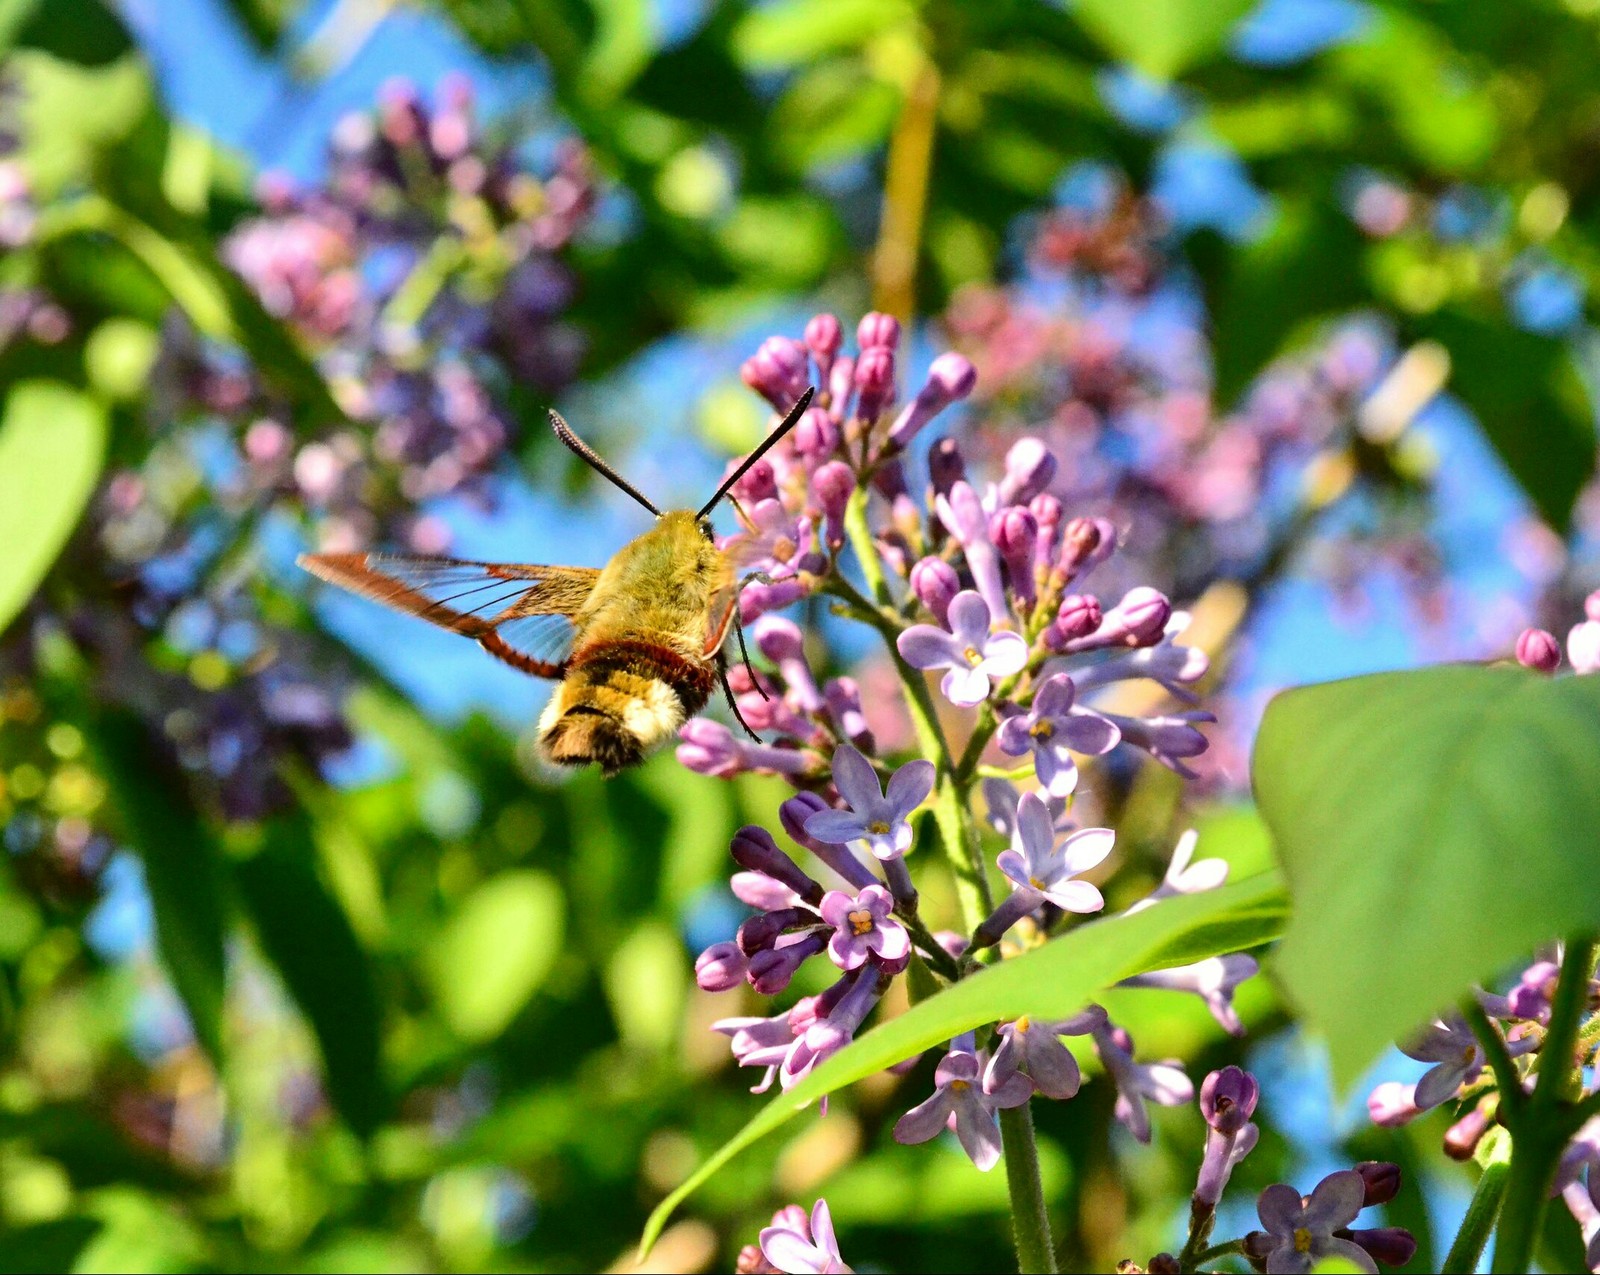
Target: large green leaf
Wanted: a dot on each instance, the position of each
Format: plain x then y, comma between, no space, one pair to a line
1531,401
308,937
1160,37
1433,826
46,1246
184,868
52,444
1052,981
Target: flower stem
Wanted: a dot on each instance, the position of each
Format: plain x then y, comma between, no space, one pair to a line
1467,1249
1030,1223
1506,1076
1541,1128
855,526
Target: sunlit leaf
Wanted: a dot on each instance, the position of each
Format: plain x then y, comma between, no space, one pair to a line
1052,981
1160,37
790,32
495,952
1433,826
309,939
52,445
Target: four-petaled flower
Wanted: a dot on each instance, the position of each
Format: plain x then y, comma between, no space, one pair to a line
1457,1059
969,650
1035,1046
1163,1083
1054,729
798,1246
1304,1228
961,1102
862,927
878,817
1036,864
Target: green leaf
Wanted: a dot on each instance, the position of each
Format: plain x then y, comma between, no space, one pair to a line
1052,981
309,939
1527,394
1433,827
47,1246
52,445
496,951
1160,37
794,32
82,31
184,868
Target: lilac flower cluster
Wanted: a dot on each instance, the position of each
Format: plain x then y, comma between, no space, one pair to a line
1297,1231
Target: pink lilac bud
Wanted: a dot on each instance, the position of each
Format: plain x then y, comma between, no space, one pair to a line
756,599
754,850
1393,1104
1015,533
1583,647
936,584
782,642
1538,649
1461,1139
832,485
1078,616
878,330
1029,468
950,379
1085,542
1389,1245
777,371
843,697
946,466
1228,1099
1591,606
721,967
1164,1264
1047,512
874,381
793,814
816,437
1381,1179
841,380
1140,619
758,483
962,515
824,335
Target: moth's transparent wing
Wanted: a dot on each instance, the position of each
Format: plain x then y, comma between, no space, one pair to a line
520,613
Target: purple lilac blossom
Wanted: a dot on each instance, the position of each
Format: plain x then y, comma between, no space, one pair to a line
969,650
961,1102
879,817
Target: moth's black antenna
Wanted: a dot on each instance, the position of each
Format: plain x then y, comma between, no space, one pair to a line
788,423
586,454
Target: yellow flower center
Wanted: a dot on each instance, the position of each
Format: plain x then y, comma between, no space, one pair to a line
783,548
960,1086
1022,1024
878,828
860,921
1044,728
1037,884
974,656
1302,1240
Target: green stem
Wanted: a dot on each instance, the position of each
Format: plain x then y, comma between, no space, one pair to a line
1540,1130
1465,1252
1030,1221
1229,1249
1507,1078
855,526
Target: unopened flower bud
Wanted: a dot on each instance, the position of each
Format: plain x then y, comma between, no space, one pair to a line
773,967
1389,1245
1538,649
824,335
936,584
720,967
1393,1104
950,377
843,697
757,483
1164,1264
1228,1099
1085,542
878,330
832,485
754,850
777,371
759,932
816,437
1461,1139
1382,1180
1078,616
1029,468
1591,606
874,380
1047,512
1015,533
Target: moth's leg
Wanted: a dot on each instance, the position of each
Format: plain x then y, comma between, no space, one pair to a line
755,577
744,658
733,706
